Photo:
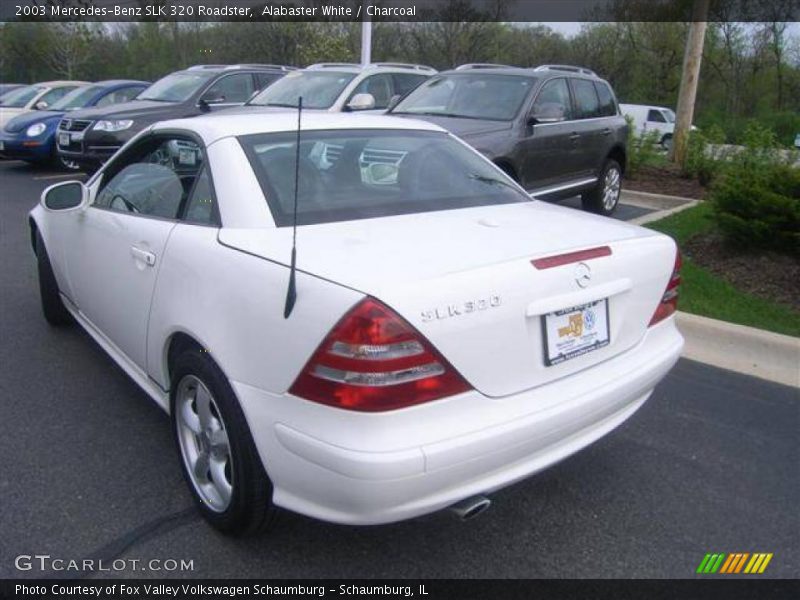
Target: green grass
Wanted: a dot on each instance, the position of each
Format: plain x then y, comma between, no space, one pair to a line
704,293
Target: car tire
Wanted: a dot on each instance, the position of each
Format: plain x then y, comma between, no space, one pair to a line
219,459
604,197
52,305
666,143
67,164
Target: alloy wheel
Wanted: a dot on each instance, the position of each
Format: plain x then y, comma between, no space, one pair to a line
204,444
70,165
611,188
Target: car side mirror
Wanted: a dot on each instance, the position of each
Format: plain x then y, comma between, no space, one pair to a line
548,112
361,102
41,105
209,99
67,195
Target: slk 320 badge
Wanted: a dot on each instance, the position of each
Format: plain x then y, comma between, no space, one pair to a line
461,308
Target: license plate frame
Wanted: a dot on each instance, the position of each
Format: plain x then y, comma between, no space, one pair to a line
574,331
63,139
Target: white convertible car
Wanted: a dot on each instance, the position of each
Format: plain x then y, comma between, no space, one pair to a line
450,335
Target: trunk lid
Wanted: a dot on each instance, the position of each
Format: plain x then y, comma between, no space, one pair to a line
464,279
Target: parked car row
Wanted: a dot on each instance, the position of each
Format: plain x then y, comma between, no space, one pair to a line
31,135
555,129
92,136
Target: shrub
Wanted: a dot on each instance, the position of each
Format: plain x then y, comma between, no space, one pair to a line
642,149
757,196
701,162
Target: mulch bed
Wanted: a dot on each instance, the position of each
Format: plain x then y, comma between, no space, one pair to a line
665,180
768,275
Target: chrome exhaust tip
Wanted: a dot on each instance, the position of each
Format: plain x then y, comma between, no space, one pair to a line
471,507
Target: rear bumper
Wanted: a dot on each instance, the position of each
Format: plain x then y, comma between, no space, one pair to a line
359,468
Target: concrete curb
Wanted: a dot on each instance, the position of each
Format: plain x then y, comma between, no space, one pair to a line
747,350
657,201
662,205
660,214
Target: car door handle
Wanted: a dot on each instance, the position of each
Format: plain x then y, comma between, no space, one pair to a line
606,131
147,257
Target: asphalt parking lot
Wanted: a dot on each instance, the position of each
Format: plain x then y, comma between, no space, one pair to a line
88,469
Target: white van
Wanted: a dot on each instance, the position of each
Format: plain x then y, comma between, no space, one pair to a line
652,118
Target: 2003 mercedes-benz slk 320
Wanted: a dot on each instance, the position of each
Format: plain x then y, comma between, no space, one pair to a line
450,335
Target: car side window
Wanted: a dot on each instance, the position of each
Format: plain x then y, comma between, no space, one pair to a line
234,88
608,107
152,179
554,93
265,79
655,116
405,82
587,104
380,86
118,96
55,94
200,208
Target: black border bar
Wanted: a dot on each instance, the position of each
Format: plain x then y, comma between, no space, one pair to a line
393,10
731,588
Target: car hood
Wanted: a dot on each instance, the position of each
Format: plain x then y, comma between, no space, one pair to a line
463,128
136,109
246,109
25,120
6,114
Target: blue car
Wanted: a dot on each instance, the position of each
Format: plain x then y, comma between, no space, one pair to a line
32,136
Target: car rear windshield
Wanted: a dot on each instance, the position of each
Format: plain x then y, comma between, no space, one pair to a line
319,89
176,87
77,98
469,96
20,97
360,174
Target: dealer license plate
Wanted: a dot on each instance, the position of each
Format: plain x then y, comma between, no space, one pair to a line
574,331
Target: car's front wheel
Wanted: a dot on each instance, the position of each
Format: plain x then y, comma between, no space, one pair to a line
219,459
604,197
67,164
52,306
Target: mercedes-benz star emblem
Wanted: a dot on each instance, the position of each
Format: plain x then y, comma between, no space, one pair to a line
583,275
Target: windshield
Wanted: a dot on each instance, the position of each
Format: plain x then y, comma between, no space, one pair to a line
319,89
77,98
469,96
669,114
362,174
20,97
176,87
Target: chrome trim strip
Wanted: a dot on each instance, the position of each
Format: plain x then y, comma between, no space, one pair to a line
558,188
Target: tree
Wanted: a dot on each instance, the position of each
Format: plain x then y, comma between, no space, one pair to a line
69,49
691,74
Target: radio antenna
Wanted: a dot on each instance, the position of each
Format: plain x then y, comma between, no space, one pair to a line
291,291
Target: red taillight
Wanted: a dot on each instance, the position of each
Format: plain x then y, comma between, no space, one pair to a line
669,301
374,360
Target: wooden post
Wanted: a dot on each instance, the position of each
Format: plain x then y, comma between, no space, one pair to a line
691,73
